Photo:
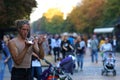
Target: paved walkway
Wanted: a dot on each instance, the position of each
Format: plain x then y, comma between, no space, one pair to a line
91,71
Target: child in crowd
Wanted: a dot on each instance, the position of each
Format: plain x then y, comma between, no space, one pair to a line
58,62
110,60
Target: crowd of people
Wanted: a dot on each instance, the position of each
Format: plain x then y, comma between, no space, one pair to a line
23,58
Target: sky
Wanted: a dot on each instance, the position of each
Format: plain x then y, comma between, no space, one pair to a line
65,6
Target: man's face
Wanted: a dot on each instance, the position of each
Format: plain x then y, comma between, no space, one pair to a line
24,31
106,40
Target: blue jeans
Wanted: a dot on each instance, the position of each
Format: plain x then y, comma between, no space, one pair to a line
114,49
80,59
36,72
94,55
10,62
2,66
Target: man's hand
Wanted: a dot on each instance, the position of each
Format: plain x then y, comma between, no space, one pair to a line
28,43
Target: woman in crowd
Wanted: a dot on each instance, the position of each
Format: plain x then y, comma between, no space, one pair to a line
106,46
80,51
66,46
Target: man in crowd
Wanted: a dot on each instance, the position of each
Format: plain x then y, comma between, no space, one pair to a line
21,51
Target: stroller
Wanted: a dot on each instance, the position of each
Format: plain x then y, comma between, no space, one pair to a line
54,73
108,63
68,64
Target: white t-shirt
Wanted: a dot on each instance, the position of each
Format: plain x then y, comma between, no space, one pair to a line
56,43
110,60
36,63
106,47
88,43
82,44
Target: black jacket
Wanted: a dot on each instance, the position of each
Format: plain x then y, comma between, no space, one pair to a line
79,51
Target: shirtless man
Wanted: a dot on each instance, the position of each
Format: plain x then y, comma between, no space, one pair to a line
21,52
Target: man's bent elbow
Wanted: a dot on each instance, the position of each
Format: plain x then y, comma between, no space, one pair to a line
18,62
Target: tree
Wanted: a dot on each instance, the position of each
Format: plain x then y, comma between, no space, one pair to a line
111,13
87,15
39,25
43,24
54,25
10,10
52,12
69,26
51,22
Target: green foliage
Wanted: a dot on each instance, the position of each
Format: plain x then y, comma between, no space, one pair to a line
86,15
39,25
14,9
55,25
69,26
83,18
43,24
111,12
90,14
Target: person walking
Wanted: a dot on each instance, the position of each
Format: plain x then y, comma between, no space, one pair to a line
21,51
56,47
45,44
88,50
8,60
36,67
5,58
80,51
114,43
66,46
2,58
94,48
107,46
